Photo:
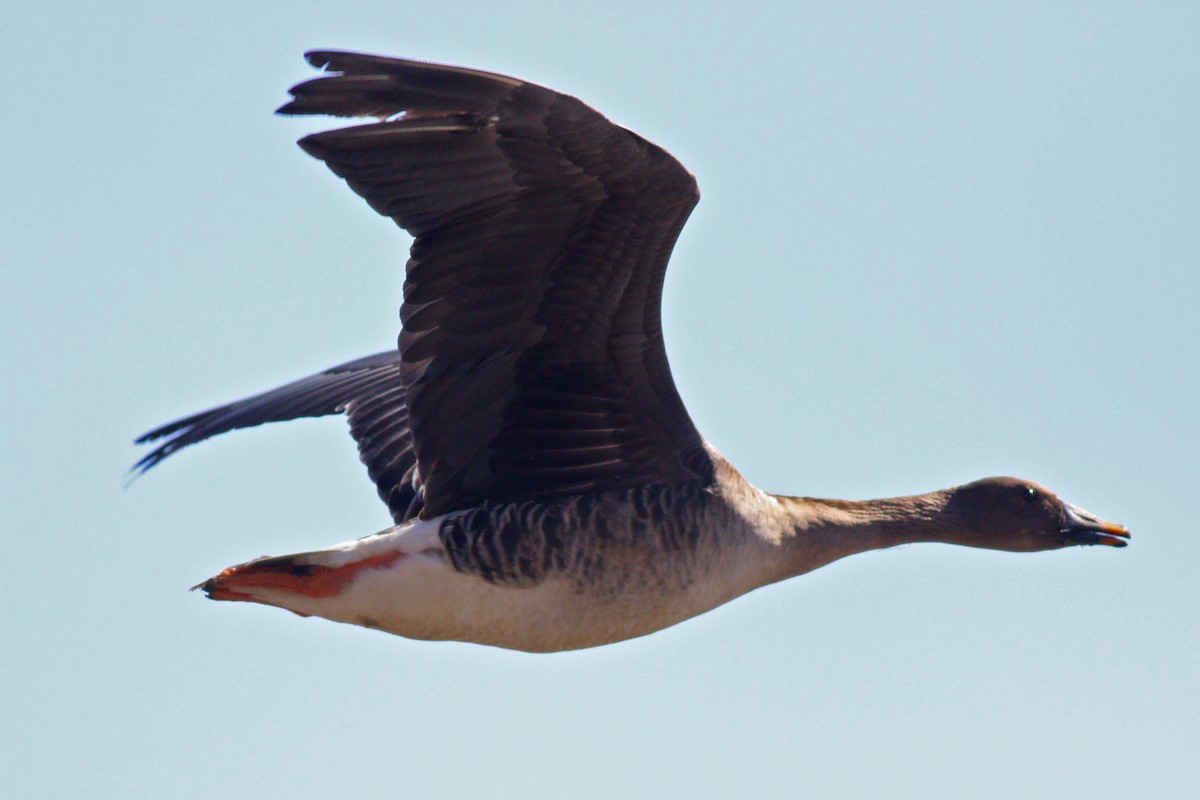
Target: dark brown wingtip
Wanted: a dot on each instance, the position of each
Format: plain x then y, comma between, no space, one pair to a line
319,58
351,62
310,145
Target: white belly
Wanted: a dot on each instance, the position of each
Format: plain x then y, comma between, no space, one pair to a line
421,596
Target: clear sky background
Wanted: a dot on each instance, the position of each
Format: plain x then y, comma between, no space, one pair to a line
937,241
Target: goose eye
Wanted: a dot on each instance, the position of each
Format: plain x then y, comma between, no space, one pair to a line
1030,494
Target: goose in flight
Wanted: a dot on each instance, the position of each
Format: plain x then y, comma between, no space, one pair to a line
548,488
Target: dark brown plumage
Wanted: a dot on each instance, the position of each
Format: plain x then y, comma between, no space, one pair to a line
531,350
531,347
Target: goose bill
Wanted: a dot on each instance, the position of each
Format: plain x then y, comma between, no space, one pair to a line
1086,528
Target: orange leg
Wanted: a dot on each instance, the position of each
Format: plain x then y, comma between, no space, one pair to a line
288,574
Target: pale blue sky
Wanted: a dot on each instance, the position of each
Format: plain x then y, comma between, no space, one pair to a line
937,241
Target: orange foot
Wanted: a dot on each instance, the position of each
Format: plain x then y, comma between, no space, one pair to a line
293,573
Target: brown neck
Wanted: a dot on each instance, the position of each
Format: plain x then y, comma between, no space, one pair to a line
826,530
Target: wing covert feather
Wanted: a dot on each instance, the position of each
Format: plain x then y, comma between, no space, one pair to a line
531,349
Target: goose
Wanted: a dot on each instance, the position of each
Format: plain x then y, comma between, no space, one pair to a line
547,487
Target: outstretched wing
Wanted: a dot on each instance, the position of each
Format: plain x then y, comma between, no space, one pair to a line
368,390
531,350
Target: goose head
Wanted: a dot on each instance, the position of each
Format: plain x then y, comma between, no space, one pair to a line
1019,515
